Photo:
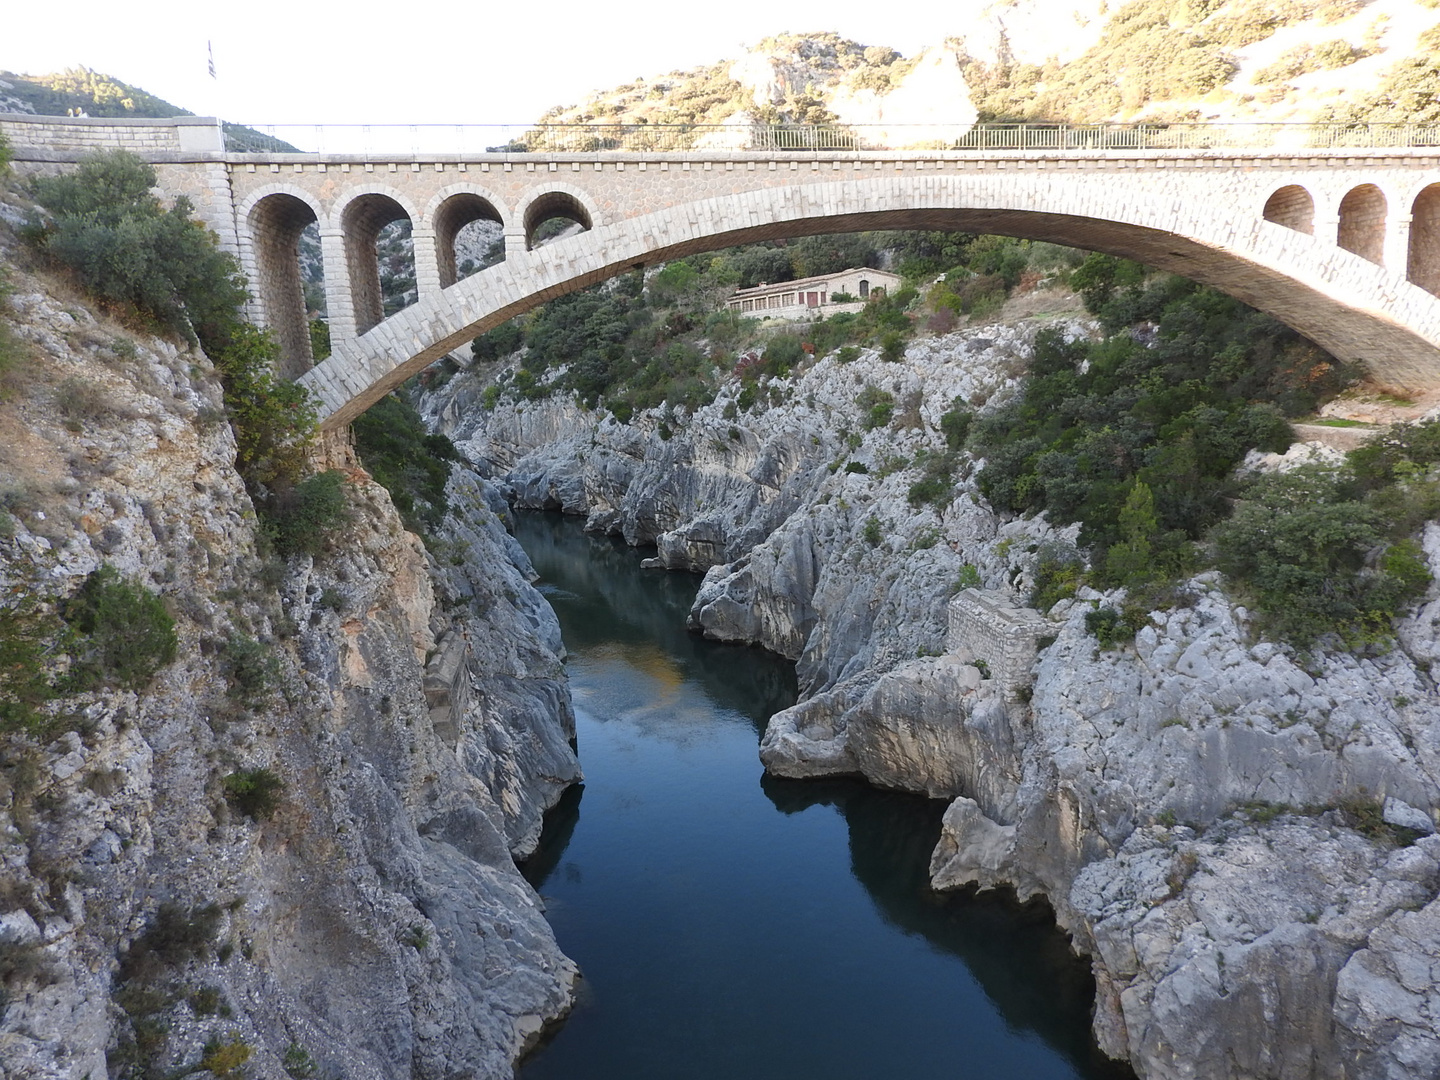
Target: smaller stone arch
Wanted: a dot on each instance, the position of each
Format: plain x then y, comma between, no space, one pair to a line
1293,207
450,212
361,219
558,201
274,219
1362,223
1423,264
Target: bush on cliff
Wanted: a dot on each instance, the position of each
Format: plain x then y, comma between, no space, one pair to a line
407,461
1322,550
126,249
126,633
1176,414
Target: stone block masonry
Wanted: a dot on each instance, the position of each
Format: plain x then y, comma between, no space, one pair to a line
999,632
1338,244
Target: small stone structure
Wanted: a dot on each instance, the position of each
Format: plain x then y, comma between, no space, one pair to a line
813,295
998,632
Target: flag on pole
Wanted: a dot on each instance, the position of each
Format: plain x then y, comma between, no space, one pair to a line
210,53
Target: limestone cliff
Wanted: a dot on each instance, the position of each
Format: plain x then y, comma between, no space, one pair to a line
1222,825
416,715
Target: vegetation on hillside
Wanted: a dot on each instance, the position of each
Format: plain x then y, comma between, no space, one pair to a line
81,88
101,95
406,460
631,346
143,261
159,268
1137,437
1409,92
709,95
113,633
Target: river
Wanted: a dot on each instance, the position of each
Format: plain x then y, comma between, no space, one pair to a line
731,925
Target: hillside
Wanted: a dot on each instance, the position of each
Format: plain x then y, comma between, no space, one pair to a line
101,95
1072,60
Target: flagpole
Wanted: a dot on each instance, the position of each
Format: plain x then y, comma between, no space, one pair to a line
215,95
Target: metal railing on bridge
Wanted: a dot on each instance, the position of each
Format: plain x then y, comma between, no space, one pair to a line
462,139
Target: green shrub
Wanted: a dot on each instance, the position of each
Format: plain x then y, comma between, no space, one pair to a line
273,419
226,1060
254,792
1059,573
877,407
1110,627
497,343
299,519
123,247
968,578
128,634
955,425
1304,551
847,354
30,634
871,532
319,339
298,1063
251,669
175,936
857,468
937,481
892,346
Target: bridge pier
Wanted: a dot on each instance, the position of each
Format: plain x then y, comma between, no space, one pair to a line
1397,241
427,261
339,302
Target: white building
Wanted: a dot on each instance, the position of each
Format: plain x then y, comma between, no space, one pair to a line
814,295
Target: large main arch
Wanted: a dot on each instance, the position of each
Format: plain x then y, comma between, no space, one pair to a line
1344,302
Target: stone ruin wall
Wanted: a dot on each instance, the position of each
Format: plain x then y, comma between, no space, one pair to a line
993,627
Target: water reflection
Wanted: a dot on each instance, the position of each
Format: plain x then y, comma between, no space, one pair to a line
720,938
605,602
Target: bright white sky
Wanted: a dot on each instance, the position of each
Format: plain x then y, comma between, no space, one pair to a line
420,61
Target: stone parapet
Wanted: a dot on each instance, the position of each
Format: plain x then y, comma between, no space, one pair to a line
998,632
57,138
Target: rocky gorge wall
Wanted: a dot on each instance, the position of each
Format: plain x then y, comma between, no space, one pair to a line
1188,805
417,715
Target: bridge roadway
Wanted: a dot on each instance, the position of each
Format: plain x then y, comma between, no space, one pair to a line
1342,244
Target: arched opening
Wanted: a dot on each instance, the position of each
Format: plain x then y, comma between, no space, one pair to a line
1362,223
469,236
379,257
1423,267
285,265
1343,322
1292,207
546,217
864,289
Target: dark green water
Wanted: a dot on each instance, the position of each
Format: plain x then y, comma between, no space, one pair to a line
730,925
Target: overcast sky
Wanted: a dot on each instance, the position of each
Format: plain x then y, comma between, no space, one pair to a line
418,61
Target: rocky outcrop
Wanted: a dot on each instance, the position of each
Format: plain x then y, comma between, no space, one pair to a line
415,715
1220,823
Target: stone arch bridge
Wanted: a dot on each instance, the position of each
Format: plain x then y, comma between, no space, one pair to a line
1342,244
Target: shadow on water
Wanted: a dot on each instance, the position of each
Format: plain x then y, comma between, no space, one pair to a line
1015,951
603,598
722,939
560,823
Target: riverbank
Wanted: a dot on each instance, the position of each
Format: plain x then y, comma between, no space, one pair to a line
731,924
